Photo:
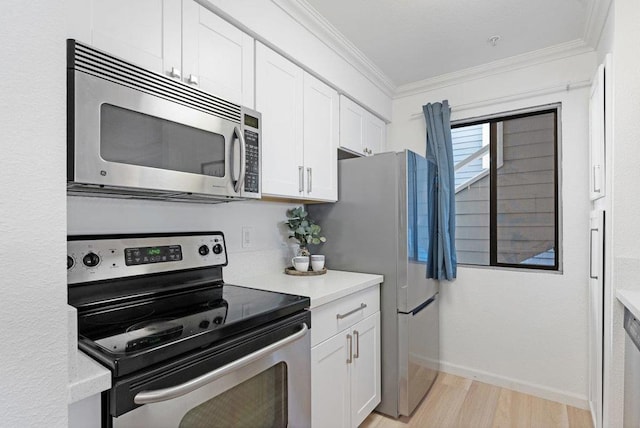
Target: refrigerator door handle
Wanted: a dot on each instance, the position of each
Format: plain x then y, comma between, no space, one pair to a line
417,310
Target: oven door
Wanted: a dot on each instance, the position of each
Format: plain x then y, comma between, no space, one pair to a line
268,387
126,138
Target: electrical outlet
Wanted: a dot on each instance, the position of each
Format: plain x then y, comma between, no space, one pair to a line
247,236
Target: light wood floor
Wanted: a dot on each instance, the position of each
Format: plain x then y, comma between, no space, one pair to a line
457,402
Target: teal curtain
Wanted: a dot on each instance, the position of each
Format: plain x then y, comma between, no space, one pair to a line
441,258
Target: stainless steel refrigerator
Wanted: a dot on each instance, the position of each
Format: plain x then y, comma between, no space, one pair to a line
380,225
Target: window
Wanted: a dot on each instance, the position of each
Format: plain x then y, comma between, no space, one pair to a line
506,176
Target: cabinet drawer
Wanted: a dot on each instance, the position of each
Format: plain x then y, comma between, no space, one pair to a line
330,319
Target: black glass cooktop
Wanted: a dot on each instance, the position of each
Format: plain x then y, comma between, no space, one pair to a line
137,333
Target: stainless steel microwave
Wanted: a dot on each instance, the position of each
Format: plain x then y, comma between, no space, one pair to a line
138,134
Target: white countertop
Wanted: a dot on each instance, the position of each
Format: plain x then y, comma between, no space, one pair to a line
321,289
90,378
631,300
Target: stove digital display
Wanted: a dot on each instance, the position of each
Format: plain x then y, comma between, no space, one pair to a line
146,255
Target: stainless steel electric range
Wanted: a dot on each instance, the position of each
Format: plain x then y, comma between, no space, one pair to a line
186,349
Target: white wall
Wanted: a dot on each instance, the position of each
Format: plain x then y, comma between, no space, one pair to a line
270,250
523,330
33,314
605,43
625,202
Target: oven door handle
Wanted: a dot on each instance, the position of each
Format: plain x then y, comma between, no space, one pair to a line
164,394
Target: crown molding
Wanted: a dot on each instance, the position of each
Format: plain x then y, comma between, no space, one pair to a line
595,22
563,50
303,13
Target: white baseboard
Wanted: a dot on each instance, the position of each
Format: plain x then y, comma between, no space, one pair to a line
593,415
547,393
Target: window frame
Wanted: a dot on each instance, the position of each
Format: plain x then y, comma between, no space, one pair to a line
493,119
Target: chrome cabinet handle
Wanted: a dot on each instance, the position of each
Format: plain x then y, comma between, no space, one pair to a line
309,175
300,179
175,73
243,161
164,394
361,307
356,334
591,275
193,80
350,339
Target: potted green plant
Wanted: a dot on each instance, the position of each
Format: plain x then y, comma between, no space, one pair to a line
303,229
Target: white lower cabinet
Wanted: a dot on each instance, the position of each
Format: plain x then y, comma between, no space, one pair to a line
365,369
345,368
86,413
330,383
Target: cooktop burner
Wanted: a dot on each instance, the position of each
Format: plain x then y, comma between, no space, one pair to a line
145,335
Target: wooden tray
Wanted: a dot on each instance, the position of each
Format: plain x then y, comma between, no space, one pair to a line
292,271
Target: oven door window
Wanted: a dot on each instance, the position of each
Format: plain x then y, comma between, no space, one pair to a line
134,138
260,401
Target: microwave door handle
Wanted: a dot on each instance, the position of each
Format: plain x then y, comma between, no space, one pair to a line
243,159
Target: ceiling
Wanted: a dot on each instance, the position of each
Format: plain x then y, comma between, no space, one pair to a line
412,40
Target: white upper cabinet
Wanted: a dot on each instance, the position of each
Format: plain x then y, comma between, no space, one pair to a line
177,38
597,134
321,133
375,134
360,131
300,130
279,86
216,56
351,125
145,32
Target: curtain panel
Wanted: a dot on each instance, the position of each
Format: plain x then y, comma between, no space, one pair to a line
441,260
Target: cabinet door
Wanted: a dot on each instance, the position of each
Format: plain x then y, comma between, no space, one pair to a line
375,132
144,32
330,383
365,371
597,135
85,413
279,87
321,133
351,125
596,312
216,56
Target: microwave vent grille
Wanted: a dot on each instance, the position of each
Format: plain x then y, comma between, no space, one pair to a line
97,191
97,63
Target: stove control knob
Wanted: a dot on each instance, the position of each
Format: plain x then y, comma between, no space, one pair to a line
91,259
203,250
70,262
218,320
204,324
217,249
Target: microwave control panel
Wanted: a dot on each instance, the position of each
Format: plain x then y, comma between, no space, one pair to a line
252,176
